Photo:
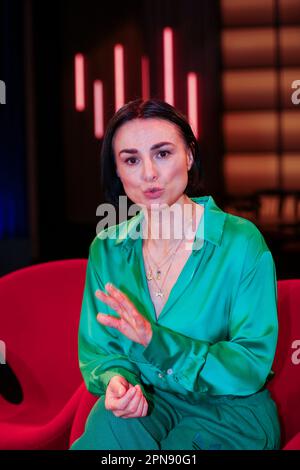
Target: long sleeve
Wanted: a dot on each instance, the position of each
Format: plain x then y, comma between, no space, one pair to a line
238,365
100,352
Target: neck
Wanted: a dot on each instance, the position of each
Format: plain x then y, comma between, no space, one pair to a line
163,228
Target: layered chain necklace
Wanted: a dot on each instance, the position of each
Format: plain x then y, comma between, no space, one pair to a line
156,274
158,271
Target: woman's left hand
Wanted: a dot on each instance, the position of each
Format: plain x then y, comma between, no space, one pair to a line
132,324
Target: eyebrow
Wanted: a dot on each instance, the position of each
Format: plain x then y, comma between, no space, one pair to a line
154,147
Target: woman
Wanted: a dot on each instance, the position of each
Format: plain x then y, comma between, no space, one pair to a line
180,346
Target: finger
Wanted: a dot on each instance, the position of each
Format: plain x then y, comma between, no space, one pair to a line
135,407
141,410
134,414
120,297
134,411
113,303
109,320
120,404
109,300
145,402
114,392
121,390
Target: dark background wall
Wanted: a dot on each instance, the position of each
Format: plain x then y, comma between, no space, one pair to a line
14,223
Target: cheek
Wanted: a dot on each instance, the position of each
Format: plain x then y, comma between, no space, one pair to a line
130,180
178,172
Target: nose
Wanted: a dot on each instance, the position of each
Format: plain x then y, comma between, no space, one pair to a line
149,170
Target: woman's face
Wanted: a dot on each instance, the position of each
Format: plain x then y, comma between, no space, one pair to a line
151,153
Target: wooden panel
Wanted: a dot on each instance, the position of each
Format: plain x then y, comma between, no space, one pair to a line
250,132
247,12
289,209
290,45
291,171
257,89
247,173
290,122
269,208
289,11
249,47
277,208
249,89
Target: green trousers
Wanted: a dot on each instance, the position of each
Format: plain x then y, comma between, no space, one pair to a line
223,422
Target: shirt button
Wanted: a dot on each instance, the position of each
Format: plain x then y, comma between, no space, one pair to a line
170,371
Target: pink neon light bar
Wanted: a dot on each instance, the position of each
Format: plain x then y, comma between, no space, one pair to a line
192,91
79,82
98,109
145,78
168,65
119,76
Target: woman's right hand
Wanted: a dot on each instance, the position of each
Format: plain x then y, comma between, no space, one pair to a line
125,400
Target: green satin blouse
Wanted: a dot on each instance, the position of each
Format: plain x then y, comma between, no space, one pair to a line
217,332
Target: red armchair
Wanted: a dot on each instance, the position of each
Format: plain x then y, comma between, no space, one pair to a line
41,385
285,386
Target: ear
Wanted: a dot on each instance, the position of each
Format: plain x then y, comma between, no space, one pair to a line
190,160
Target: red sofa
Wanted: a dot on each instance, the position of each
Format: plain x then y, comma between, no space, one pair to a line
44,403
285,386
40,386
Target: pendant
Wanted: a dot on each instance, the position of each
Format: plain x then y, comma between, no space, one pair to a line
158,273
159,294
149,276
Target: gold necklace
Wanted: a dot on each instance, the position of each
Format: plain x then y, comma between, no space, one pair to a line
158,267
149,274
159,292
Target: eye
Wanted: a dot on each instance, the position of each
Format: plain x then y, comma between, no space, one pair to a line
128,159
166,152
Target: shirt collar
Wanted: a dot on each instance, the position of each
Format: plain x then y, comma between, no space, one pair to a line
210,227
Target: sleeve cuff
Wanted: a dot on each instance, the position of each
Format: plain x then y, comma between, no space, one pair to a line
159,350
174,354
99,383
109,374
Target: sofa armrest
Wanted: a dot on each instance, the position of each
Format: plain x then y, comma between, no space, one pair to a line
293,444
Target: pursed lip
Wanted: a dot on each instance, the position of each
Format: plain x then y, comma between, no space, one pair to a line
156,194
153,189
